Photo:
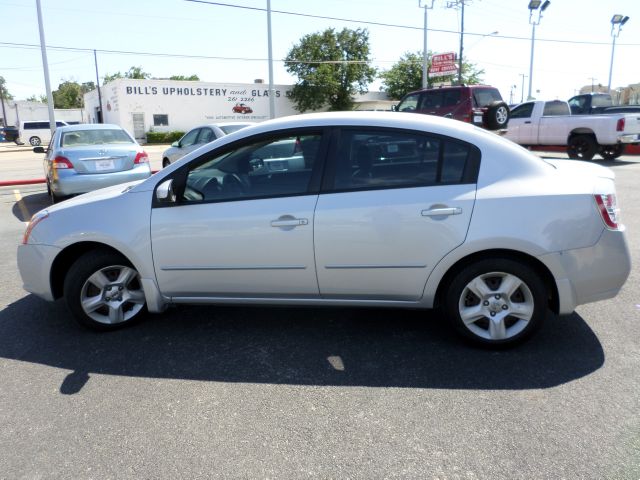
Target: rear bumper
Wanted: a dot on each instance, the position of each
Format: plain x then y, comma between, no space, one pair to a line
72,183
586,275
629,139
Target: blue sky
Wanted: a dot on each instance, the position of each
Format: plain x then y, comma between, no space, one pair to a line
573,39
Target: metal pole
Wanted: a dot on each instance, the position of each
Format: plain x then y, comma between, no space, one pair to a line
461,42
95,60
45,68
613,48
533,41
522,88
425,60
272,100
4,113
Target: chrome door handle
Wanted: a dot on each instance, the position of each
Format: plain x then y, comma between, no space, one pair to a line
293,222
438,212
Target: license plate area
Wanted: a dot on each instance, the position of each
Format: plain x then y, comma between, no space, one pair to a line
104,165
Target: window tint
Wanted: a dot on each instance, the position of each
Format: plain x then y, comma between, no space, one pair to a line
36,125
271,167
432,99
397,159
76,138
410,103
160,120
522,111
190,138
451,97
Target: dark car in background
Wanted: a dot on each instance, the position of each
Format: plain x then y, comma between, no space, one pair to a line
481,105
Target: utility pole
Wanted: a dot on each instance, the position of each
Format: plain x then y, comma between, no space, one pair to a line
101,117
45,67
456,4
272,93
593,79
522,89
425,59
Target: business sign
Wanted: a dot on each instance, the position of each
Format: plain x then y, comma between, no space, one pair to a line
443,65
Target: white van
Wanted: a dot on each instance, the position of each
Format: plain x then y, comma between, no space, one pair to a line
37,132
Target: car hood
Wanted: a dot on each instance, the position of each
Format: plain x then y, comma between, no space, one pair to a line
95,196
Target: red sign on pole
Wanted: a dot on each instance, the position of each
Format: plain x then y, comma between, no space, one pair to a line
443,65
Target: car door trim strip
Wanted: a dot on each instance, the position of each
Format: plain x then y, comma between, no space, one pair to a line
334,267
232,267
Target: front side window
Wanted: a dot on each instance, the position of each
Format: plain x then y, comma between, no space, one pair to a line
409,103
522,111
388,159
276,166
190,138
432,99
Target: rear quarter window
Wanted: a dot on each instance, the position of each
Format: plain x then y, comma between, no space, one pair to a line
486,96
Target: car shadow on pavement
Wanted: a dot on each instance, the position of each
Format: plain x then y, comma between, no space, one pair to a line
24,209
298,346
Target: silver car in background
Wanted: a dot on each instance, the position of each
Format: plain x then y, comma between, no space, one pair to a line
198,136
82,158
342,209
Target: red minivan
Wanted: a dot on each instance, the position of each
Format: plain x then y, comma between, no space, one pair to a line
478,104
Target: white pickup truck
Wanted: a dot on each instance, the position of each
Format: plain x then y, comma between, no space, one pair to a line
551,123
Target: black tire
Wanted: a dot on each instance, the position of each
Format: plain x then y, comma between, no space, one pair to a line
118,302
165,162
497,317
497,116
35,141
582,147
52,196
611,152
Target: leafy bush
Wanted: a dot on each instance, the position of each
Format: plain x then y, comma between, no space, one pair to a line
164,137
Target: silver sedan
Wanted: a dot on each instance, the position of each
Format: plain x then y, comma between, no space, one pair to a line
197,137
350,209
82,158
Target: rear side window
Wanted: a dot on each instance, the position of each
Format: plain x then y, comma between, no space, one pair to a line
432,99
397,159
601,101
36,125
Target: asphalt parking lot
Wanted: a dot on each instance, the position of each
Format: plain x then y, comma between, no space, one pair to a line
241,392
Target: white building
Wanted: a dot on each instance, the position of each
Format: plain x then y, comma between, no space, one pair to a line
140,106
21,110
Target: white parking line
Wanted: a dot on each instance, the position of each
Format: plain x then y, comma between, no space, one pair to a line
22,206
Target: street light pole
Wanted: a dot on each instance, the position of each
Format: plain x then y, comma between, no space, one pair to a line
617,21
522,88
45,67
425,58
534,5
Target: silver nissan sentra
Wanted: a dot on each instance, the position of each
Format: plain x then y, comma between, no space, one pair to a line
366,209
82,158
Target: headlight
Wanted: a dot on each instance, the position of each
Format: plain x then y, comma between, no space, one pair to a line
36,219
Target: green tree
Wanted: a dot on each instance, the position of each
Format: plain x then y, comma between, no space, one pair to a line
331,68
37,98
68,95
4,93
191,78
133,72
406,75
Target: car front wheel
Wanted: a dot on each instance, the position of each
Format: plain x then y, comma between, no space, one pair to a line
496,302
103,291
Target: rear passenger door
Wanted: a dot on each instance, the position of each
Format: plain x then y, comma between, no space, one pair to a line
393,203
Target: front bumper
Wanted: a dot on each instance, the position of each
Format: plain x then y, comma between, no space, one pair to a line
34,263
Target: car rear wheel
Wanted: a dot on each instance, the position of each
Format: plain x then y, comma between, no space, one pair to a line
103,291
497,116
35,141
582,147
496,302
611,152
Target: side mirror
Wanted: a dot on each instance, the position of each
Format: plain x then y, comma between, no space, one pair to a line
164,192
175,144
38,150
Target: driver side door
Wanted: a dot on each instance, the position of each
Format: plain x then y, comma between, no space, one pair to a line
241,225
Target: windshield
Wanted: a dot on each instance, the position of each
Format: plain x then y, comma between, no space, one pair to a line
76,138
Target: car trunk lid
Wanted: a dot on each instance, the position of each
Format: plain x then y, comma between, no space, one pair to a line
101,159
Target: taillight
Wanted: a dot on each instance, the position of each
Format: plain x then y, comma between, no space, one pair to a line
61,162
620,125
141,157
609,211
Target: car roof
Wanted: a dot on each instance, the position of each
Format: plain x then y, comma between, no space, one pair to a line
89,126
